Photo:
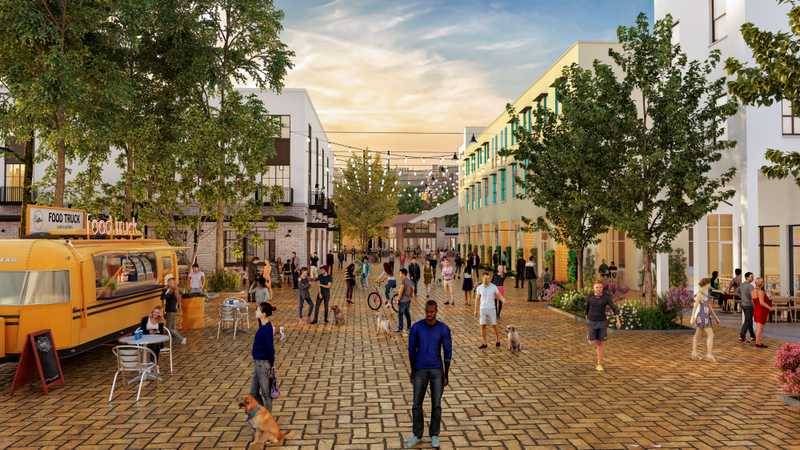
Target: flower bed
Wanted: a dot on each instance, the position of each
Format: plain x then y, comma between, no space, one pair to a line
787,360
634,315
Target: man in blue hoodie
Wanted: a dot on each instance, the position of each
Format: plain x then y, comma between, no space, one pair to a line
427,340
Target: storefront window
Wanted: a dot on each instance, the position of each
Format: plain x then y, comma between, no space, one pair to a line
720,244
770,258
124,270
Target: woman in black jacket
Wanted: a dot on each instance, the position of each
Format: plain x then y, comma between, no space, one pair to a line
153,324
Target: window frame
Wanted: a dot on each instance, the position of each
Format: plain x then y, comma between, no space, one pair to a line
794,131
715,19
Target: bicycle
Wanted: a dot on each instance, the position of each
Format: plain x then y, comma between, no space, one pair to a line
375,300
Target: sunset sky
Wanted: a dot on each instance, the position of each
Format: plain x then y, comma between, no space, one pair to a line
377,65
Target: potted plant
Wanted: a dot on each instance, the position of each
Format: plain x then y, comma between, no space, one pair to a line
107,286
787,360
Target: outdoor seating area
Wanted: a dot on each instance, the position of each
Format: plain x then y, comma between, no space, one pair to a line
233,312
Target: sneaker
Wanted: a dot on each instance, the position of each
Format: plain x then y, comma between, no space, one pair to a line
482,346
183,341
599,368
435,441
446,303
313,322
710,358
497,344
742,341
412,442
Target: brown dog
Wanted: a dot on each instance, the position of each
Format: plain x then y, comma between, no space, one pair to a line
263,422
338,315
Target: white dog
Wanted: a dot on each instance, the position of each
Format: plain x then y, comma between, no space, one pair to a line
514,342
383,325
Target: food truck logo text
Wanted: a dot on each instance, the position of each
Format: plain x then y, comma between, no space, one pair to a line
111,227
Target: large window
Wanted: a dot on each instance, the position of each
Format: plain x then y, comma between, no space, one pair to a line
494,189
790,124
285,123
513,181
116,273
618,244
720,244
42,287
502,185
770,257
794,259
717,20
485,192
15,175
278,176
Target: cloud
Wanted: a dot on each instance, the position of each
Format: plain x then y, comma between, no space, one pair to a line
441,32
504,46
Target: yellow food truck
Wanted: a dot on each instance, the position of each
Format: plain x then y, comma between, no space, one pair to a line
87,291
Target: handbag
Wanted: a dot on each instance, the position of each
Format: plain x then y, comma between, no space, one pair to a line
274,390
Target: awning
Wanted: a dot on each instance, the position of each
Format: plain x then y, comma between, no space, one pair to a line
447,208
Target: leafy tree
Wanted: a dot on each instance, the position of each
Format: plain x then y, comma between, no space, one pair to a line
229,137
670,129
409,201
366,197
565,159
59,82
774,77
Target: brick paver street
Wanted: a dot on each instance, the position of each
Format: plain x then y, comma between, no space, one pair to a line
345,387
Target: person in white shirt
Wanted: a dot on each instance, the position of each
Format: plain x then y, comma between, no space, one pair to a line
197,279
486,295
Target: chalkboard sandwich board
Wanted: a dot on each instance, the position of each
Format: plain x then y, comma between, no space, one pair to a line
39,354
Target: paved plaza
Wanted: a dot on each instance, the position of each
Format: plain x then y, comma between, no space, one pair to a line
345,387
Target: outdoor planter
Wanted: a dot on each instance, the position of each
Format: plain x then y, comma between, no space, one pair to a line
787,359
193,307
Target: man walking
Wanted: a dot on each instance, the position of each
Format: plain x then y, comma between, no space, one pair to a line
746,296
530,275
324,296
313,264
426,341
487,294
404,300
329,261
172,297
459,262
520,269
414,273
341,257
596,320
476,263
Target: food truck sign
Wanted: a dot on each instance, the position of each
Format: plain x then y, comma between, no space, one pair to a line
54,220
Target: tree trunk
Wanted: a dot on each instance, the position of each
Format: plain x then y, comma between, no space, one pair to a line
580,269
220,266
61,166
27,195
128,208
647,283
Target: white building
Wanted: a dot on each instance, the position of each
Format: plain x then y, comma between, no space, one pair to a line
759,230
303,166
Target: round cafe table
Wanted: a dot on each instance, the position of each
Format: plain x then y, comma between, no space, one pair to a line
146,339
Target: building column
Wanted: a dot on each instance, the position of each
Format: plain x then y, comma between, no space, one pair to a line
700,250
662,273
783,265
751,256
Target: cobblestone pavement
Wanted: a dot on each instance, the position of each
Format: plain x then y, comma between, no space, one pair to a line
344,387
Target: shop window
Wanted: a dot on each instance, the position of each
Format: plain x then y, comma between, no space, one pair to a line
15,175
124,271
720,244
770,258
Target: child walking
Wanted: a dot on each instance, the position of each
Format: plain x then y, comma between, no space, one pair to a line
703,317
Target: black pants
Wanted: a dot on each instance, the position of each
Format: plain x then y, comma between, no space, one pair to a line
324,297
748,323
294,280
520,282
350,286
498,305
421,379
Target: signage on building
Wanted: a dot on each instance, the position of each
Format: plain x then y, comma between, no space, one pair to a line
112,227
54,220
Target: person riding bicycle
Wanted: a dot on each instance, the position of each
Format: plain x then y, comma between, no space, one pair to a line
388,276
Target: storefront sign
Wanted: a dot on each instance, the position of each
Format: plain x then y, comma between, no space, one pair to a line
112,227
54,220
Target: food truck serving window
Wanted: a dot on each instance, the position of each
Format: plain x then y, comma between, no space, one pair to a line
125,270
35,287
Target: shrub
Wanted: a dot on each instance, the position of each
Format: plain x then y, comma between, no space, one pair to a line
677,268
225,280
613,288
677,299
787,360
551,292
628,316
657,317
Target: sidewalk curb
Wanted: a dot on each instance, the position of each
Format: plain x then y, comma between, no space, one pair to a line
614,330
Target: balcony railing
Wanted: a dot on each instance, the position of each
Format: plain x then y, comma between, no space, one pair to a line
11,195
262,197
318,201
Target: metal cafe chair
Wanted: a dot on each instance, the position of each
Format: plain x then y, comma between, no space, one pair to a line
133,358
228,314
168,348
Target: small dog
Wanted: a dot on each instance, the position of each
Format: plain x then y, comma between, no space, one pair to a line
338,315
282,333
514,343
263,422
383,324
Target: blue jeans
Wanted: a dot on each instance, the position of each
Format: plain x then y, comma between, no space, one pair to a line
404,310
421,379
390,284
307,298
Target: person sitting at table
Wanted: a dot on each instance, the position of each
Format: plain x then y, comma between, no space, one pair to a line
153,324
715,292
